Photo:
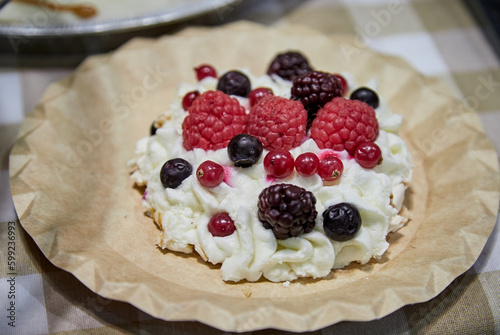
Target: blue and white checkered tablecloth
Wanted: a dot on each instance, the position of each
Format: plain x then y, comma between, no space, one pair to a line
440,38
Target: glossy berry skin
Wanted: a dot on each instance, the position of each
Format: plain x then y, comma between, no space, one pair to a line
174,171
330,168
257,94
368,155
345,86
244,150
366,95
204,71
279,163
221,225
210,174
307,164
234,83
188,99
341,222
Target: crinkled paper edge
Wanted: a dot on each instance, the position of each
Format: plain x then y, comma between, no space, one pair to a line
441,242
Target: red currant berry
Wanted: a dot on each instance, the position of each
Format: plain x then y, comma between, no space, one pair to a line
257,94
221,225
307,164
279,163
368,155
330,168
345,86
188,99
210,174
204,71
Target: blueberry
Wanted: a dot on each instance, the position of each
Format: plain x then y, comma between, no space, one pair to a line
366,95
341,222
244,150
174,171
234,83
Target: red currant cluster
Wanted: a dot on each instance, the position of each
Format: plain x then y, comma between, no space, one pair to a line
280,164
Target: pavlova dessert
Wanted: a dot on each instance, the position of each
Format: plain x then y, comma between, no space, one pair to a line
286,175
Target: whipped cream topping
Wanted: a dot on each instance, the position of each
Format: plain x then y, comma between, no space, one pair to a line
252,251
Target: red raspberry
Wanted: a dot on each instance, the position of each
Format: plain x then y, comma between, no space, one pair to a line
344,124
277,122
213,119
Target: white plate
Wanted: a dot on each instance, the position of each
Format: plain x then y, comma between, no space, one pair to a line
19,19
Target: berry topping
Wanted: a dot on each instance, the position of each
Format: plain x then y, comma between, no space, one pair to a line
213,120
287,209
307,164
244,150
257,94
188,99
289,65
210,174
277,122
344,124
279,163
204,71
341,222
221,225
345,86
368,155
330,168
366,95
314,90
234,83
174,171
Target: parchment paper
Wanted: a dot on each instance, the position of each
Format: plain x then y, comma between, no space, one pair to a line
74,196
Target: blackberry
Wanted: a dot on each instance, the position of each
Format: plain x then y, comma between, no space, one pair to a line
341,222
289,65
234,83
314,90
287,209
